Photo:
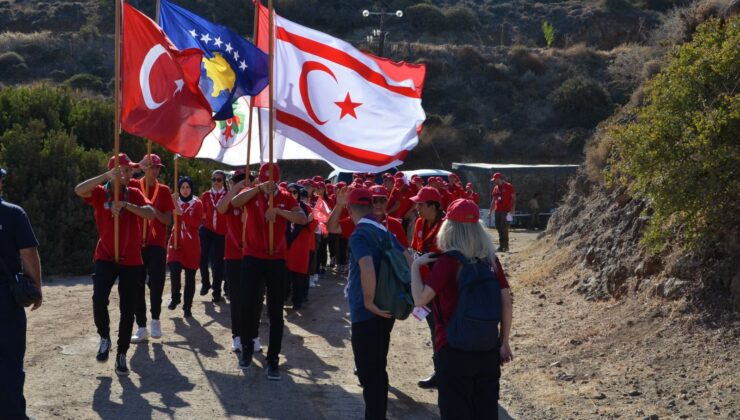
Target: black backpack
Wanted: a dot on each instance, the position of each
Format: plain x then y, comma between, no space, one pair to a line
474,325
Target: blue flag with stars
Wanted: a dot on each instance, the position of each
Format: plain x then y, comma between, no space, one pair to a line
232,66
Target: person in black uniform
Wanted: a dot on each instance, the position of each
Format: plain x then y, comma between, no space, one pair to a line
18,252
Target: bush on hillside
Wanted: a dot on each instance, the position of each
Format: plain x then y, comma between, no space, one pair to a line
426,17
85,81
460,18
681,151
525,60
581,102
12,65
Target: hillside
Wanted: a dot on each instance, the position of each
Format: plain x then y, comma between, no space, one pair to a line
494,90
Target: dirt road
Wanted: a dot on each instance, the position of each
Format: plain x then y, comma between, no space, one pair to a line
636,358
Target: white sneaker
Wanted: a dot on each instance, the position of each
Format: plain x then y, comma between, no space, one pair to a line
236,345
313,280
156,329
257,345
140,336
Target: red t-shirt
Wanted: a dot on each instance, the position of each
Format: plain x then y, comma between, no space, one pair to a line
404,197
391,223
473,196
501,196
443,280
188,241
212,219
234,226
258,244
161,198
425,237
299,249
130,226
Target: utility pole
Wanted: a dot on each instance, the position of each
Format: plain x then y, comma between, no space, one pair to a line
380,33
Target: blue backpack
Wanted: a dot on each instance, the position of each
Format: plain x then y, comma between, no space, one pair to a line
474,325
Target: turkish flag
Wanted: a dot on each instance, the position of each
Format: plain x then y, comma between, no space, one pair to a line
161,99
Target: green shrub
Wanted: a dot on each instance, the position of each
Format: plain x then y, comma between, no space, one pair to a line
682,152
549,32
461,18
426,17
581,102
12,66
524,60
85,81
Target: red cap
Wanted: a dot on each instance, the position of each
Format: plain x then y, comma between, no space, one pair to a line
284,185
398,175
156,160
360,196
379,191
263,172
427,194
123,160
369,184
318,178
497,175
464,211
341,184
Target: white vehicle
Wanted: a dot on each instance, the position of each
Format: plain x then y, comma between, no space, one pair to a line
336,175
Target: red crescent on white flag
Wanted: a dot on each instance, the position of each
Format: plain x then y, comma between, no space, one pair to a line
308,67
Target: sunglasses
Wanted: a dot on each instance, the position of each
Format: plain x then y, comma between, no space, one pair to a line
217,179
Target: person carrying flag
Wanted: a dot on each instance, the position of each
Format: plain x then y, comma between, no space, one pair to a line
153,249
129,269
263,261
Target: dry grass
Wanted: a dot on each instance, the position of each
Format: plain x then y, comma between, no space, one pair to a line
10,41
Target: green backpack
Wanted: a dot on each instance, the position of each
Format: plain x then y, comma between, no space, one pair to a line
393,279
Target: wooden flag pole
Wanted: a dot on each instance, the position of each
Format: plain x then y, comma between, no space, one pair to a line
272,116
174,215
117,133
255,34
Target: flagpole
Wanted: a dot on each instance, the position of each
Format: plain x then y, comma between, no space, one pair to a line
174,215
149,147
117,132
272,115
255,34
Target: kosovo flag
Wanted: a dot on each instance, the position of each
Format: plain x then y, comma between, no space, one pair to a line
232,66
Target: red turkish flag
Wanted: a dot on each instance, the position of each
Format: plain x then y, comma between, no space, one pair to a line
161,99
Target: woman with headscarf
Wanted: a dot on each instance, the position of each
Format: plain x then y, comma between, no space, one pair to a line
186,256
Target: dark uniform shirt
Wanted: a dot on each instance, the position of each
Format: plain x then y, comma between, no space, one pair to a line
16,233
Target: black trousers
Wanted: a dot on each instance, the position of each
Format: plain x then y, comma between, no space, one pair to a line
130,281
468,384
430,323
296,286
155,267
333,242
321,244
176,270
502,226
260,275
342,250
233,271
12,351
370,342
211,253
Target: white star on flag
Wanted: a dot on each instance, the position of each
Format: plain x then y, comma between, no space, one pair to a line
205,38
236,55
228,47
242,65
193,33
218,41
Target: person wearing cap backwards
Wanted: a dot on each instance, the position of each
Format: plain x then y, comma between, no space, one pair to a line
468,381
19,253
189,211
233,257
371,326
262,265
153,250
431,216
129,270
471,194
345,226
212,235
503,202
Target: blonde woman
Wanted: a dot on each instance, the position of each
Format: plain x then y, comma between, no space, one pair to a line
468,366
